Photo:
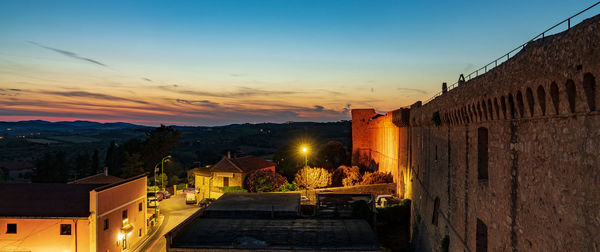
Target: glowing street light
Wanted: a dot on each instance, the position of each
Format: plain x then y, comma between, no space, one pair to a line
304,150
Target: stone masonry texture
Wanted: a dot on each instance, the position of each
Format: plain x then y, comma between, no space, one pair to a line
512,157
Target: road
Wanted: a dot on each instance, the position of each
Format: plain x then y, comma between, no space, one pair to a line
175,211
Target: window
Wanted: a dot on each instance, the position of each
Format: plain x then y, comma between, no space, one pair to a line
11,228
65,229
105,224
589,87
571,95
140,206
124,214
542,99
530,101
225,181
481,237
140,232
436,154
520,104
436,208
482,153
554,96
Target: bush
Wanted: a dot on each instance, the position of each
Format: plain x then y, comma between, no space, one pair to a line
152,188
346,176
288,187
263,181
311,178
371,178
232,189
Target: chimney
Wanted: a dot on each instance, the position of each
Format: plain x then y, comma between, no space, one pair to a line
105,171
444,88
229,155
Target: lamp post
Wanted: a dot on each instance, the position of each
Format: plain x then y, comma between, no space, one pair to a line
162,164
305,152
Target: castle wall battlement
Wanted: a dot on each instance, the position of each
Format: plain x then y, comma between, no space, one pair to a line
509,160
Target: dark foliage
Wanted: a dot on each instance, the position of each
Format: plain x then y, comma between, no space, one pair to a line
51,168
331,155
371,178
263,181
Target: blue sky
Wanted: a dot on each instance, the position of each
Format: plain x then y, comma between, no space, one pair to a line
220,62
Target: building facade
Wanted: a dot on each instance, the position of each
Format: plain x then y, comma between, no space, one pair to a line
73,217
228,172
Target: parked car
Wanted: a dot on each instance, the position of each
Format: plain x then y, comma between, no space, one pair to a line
159,196
386,200
166,194
190,198
304,200
206,202
152,200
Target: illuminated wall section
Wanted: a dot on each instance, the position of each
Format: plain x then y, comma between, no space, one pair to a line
380,141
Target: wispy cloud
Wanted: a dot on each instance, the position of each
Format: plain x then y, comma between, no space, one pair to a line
413,90
69,54
84,94
239,92
205,103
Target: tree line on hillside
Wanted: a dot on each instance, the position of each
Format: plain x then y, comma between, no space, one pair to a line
133,157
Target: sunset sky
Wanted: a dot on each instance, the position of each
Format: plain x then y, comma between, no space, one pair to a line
222,62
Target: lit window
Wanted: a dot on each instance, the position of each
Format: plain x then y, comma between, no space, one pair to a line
11,228
65,229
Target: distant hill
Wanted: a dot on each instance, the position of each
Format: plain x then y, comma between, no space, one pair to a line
39,125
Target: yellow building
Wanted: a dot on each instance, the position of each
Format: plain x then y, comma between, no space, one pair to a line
227,173
73,217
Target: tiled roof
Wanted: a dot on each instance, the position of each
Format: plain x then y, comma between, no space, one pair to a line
45,200
251,163
97,179
225,165
201,171
242,164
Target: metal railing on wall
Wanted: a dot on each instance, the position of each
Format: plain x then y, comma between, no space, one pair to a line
508,55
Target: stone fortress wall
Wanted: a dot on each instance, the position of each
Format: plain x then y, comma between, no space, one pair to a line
507,161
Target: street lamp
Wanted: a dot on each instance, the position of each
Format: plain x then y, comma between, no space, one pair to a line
162,162
304,150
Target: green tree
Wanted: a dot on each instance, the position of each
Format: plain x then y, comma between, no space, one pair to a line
82,165
377,177
263,181
288,160
312,178
288,187
51,168
331,155
95,166
158,144
346,176
173,180
133,165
